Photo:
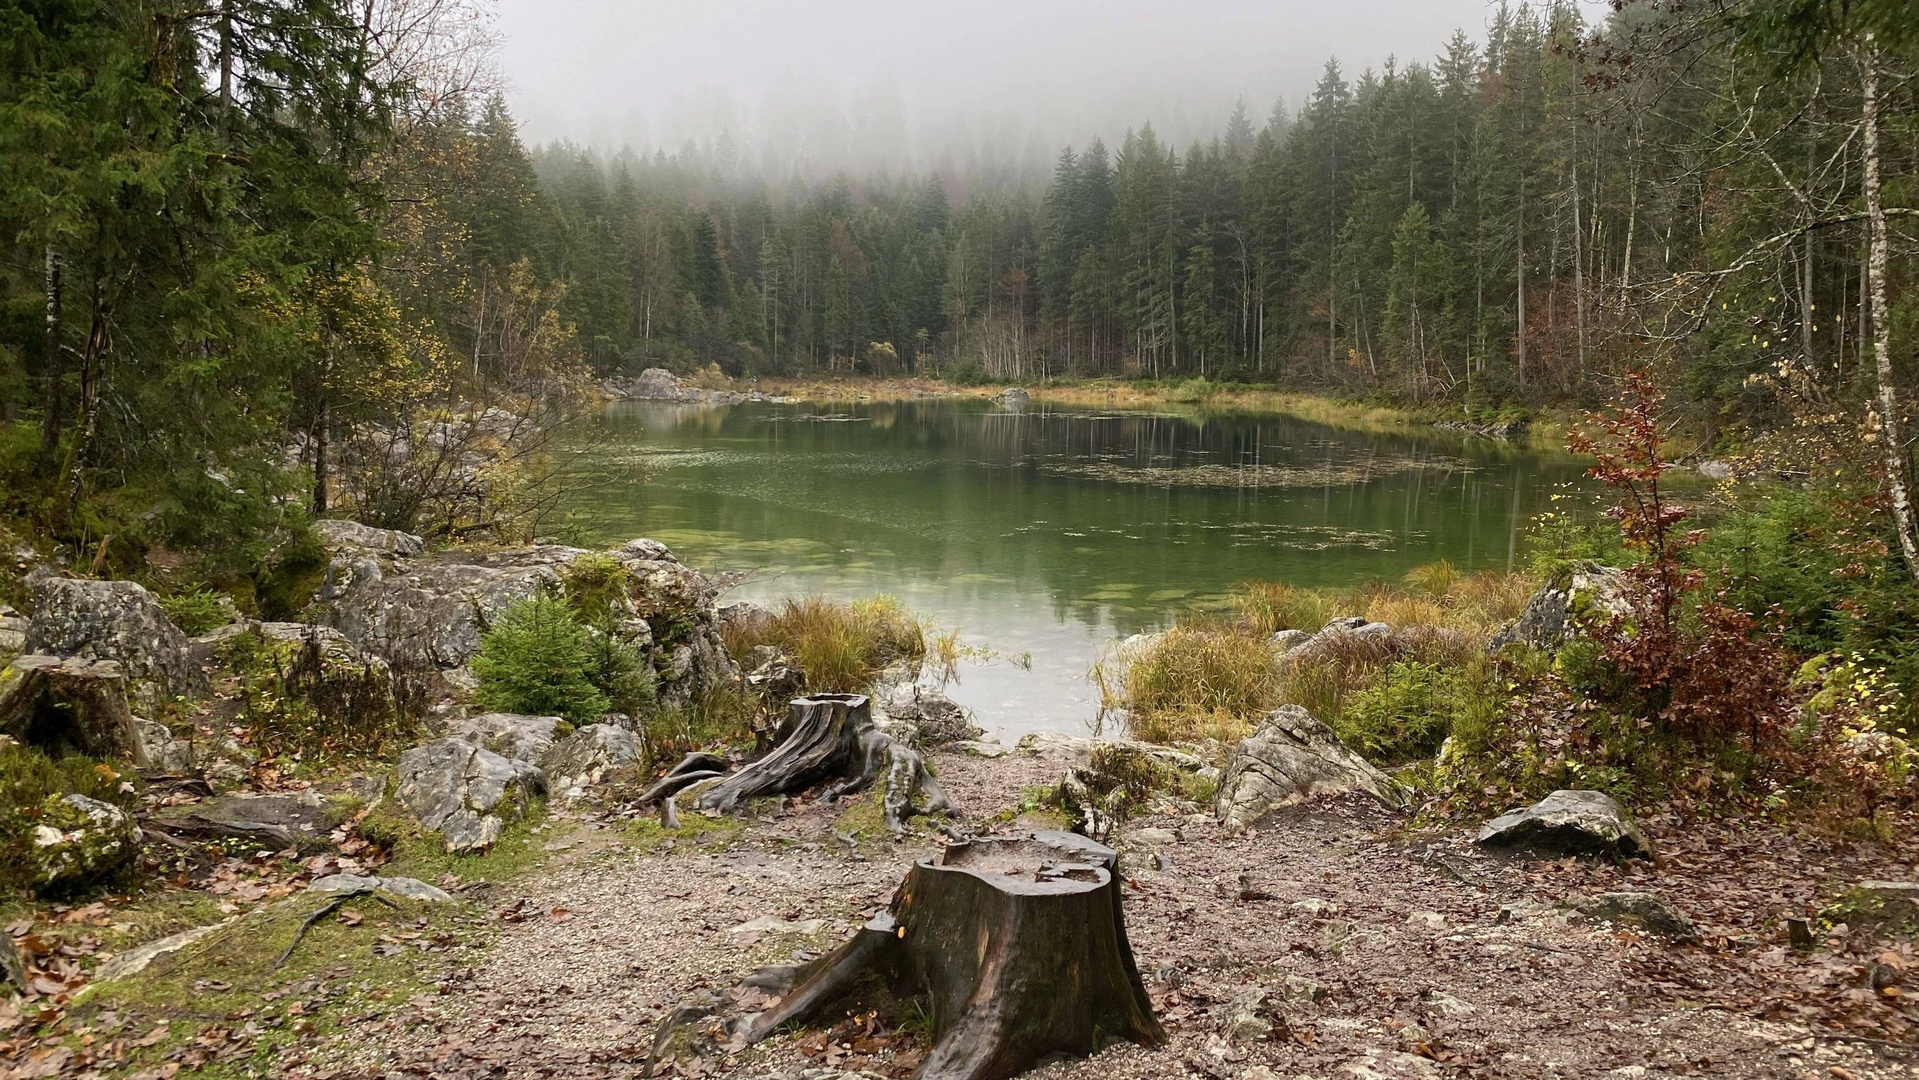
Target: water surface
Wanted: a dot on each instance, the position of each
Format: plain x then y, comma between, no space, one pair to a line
1044,534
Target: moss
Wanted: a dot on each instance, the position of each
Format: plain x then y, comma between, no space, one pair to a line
1873,912
697,832
416,852
362,964
1037,805
29,783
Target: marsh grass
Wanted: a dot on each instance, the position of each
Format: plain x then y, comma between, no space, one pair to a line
1197,681
841,647
1436,594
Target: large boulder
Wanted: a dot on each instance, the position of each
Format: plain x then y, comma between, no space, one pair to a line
465,792
585,757
79,840
340,534
118,621
1549,615
432,613
510,735
13,632
932,718
1569,822
277,821
1291,758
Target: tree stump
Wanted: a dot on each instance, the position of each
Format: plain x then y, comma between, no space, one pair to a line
1014,944
826,737
70,706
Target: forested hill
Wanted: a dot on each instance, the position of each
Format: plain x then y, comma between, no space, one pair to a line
1497,224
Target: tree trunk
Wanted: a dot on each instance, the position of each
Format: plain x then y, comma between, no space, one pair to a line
55,373
832,737
70,706
1014,945
1891,422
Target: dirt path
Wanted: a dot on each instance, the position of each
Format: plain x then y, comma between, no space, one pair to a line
1377,958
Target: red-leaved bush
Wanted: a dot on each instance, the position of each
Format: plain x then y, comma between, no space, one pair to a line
1700,669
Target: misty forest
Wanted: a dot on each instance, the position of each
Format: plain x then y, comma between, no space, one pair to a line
1421,581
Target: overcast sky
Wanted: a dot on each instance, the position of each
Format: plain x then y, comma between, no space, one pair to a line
903,83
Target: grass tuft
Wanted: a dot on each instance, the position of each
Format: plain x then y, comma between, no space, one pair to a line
841,647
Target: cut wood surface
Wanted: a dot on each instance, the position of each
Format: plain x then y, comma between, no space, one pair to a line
1016,947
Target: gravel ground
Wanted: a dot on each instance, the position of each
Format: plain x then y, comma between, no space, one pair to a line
1371,955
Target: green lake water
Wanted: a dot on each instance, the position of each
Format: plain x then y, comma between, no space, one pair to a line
1045,532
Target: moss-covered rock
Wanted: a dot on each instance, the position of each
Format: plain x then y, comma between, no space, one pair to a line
78,841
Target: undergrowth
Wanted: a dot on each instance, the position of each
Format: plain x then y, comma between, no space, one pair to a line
840,647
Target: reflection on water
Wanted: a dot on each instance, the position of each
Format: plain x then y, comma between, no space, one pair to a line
1048,531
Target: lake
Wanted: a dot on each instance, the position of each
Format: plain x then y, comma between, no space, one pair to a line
1044,534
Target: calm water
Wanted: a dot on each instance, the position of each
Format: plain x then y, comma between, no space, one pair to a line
1048,532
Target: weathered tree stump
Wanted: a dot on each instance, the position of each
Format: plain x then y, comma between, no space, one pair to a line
70,706
827,737
1015,945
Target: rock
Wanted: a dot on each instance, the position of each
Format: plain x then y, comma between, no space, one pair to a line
13,632
1291,758
1388,1065
1641,911
1013,397
982,748
1372,629
657,384
1298,988
1286,641
463,791
118,621
936,719
1344,622
432,614
1545,622
136,960
1878,909
744,618
339,534
1431,920
164,753
521,738
80,840
583,758
1150,838
1718,471
277,821
1448,1006
411,888
1244,1019
1314,907
70,705
776,678
1569,823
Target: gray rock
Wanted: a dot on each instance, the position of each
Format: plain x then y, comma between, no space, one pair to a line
935,719
164,752
1720,471
645,547
339,534
1013,397
1569,822
411,888
744,617
582,759
1345,622
118,621
1373,629
510,735
657,384
1641,911
1244,1019
464,792
1546,622
136,960
1286,641
775,677
80,840
432,614
1291,758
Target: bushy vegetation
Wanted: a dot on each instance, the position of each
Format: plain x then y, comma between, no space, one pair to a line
1196,682
198,611
840,646
538,660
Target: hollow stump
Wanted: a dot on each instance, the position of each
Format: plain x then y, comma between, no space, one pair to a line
1015,945
68,705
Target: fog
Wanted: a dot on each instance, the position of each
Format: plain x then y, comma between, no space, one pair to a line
984,86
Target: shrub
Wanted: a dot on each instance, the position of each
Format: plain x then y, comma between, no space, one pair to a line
1269,607
841,647
199,611
308,699
1404,715
538,659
